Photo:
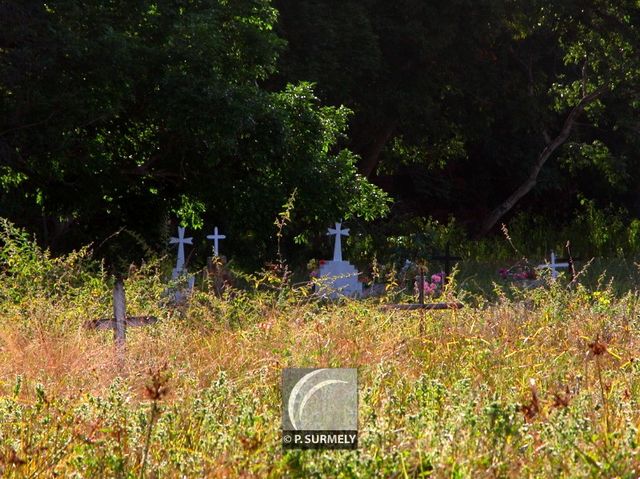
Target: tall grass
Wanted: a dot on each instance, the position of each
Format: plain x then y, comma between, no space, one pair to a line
534,383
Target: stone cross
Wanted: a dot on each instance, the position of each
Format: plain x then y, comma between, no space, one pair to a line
338,232
181,240
215,237
553,265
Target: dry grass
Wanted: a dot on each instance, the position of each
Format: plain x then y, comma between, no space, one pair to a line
543,384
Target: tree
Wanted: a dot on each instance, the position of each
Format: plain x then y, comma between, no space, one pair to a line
399,65
118,114
459,106
600,46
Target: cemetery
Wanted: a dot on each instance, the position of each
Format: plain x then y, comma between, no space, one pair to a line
192,345
302,239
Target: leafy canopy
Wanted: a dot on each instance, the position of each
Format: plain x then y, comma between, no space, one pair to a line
121,114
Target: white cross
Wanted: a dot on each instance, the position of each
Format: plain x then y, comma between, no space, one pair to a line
181,240
553,265
215,237
338,232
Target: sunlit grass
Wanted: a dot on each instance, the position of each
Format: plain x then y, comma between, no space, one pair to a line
538,383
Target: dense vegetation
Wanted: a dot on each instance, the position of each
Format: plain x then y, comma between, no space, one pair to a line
538,383
118,118
421,124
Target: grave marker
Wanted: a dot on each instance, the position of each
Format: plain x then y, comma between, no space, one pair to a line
180,270
421,292
421,304
215,237
553,265
180,241
446,260
338,277
339,233
120,322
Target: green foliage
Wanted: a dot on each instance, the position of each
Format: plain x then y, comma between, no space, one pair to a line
452,110
597,156
124,118
29,272
122,114
405,238
604,228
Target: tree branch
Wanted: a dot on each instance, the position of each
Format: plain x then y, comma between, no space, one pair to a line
544,155
28,125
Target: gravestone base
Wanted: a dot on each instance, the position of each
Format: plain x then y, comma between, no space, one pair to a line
184,287
218,274
376,290
338,278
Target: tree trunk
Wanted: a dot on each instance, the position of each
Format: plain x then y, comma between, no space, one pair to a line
548,150
371,156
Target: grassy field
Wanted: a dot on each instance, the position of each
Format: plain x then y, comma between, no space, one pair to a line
539,383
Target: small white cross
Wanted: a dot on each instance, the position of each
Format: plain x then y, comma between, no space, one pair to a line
181,240
215,237
338,232
553,265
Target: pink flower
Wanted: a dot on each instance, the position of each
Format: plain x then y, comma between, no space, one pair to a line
428,288
436,278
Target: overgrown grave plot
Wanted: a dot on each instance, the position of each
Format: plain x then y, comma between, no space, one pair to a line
216,275
120,322
523,273
337,277
438,281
